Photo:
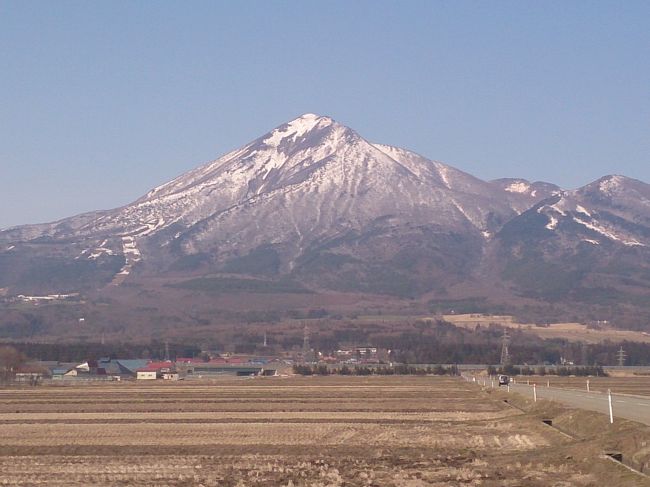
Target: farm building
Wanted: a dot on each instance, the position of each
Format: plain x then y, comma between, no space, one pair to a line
61,371
211,369
158,370
129,367
147,375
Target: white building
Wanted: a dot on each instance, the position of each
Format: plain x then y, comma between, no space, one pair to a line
146,375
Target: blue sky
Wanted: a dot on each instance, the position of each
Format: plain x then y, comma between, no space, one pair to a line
101,101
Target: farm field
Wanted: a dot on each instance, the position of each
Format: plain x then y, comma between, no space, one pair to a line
318,431
575,332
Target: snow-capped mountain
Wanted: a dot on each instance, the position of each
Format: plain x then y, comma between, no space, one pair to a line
315,201
611,210
321,172
589,245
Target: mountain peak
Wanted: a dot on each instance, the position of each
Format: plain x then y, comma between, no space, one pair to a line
309,116
611,183
615,185
296,128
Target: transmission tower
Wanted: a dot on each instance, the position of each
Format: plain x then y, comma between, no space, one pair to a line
620,357
306,349
505,354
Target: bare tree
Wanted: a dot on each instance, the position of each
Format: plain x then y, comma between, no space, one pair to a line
10,360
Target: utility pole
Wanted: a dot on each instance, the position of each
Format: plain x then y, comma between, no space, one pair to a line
505,354
620,357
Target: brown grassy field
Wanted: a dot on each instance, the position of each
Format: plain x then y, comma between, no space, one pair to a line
574,332
320,431
568,331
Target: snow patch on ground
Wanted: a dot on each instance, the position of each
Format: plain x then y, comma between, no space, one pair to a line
581,209
588,240
518,187
296,128
462,210
49,297
560,207
552,224
130,248
443,171
608,233
152,226
132,256
611,184
97,252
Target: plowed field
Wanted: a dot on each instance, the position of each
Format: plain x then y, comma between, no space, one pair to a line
343,431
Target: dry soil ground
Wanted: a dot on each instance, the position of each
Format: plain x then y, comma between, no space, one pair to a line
321,431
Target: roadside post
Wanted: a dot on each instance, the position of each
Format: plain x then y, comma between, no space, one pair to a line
611,412
587,385
534,392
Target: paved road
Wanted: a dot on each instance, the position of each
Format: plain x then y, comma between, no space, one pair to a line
635,408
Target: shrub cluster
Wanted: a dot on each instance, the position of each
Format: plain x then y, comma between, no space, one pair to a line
399,369
581,371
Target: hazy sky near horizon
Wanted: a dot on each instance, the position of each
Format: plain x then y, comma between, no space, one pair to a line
101,101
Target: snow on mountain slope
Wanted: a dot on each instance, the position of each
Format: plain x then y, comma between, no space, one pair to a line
589,246
613,208
320,165
329,180
522,194
314,183
473,198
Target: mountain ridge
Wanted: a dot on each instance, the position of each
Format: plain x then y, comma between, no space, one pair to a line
314,201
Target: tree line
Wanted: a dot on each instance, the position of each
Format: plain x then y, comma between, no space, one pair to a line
80,352
580,370
416,342
398,369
